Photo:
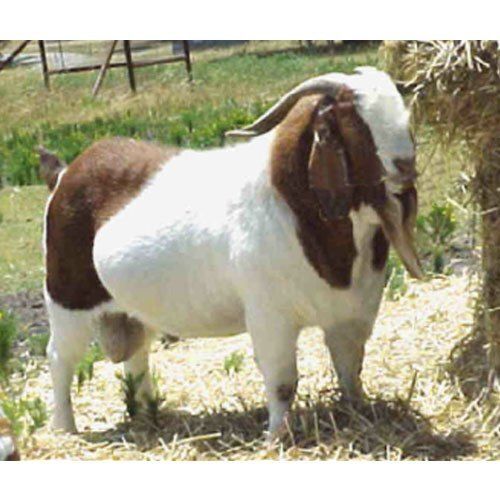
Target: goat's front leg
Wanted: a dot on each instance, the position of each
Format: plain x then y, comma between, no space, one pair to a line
346,342
275,341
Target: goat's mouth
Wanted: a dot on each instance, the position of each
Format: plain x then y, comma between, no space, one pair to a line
398,216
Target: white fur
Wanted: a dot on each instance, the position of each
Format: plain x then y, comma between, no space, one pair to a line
209,248
381,106
7,447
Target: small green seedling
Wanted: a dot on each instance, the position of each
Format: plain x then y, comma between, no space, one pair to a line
85,368
25,415
8,335
37,344
396,285
234,362
435,231
130,387
154,402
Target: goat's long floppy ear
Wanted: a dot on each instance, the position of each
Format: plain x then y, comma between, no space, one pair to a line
328,166
367,170
398,222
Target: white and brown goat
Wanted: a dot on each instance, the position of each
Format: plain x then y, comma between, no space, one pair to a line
288,230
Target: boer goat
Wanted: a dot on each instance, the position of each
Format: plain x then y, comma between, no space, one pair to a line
287,230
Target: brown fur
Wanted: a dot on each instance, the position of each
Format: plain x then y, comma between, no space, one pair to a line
99,182
327,240
50,167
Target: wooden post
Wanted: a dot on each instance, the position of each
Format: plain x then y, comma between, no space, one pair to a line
10,58
130,66
104,68
187,56
45,67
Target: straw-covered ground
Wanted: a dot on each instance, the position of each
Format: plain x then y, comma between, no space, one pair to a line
422,372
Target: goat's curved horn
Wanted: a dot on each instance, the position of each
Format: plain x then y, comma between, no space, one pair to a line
326,84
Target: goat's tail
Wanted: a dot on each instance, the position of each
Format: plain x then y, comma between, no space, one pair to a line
50,167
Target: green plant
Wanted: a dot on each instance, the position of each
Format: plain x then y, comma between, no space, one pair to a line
37,411
130,386
85,368
233,362
8,335
155,400
435,231
396,285
37,344
25,415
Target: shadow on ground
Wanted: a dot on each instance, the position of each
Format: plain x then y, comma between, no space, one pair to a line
468,365
320,428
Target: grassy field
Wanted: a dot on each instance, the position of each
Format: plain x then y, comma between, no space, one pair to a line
230,88
424,370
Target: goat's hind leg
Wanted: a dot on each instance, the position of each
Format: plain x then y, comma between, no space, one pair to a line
71,333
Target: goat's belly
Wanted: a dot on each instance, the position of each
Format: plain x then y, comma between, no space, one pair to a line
175,290
176,304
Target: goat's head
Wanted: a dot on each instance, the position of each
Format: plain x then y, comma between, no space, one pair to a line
362,150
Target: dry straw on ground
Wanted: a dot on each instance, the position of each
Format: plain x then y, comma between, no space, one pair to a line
426,397
455,88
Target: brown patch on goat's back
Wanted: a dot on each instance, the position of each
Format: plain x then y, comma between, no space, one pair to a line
99,182
327,243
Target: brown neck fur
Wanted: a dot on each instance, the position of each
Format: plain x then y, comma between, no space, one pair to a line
328,244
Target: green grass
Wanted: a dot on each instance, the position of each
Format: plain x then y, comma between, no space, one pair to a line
21,262
228,92
8,335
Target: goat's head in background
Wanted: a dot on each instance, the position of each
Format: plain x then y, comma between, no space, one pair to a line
362,151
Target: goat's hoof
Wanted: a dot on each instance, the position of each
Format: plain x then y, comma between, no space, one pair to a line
356,401
66,427
278,433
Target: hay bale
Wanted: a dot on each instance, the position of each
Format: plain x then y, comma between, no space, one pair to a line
455,87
